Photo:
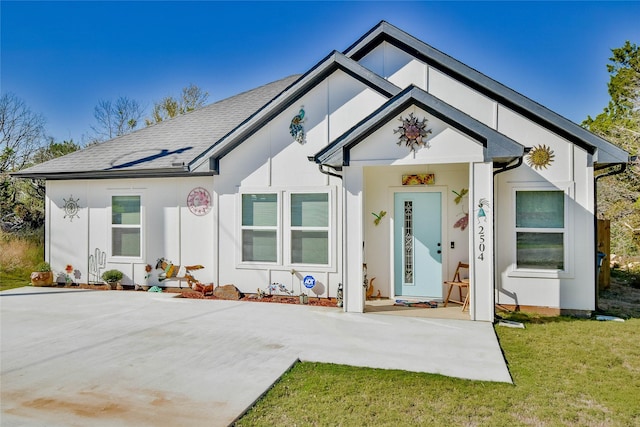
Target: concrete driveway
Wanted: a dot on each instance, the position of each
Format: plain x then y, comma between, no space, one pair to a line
79,357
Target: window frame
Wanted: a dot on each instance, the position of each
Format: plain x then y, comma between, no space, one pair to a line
291,228
277,228
566,231
140,226
284,229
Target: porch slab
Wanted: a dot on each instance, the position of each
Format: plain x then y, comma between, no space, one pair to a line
81,357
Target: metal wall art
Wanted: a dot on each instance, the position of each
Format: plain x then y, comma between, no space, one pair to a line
419,179
540,157
199,201
462,222
71,208
296,129
413,132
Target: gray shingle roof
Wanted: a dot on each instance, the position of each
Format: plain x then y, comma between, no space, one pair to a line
163,148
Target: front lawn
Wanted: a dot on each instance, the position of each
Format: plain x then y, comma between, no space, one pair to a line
566,372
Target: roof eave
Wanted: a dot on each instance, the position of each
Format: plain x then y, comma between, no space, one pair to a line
119,174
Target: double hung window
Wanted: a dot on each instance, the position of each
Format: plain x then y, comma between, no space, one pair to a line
260,227
310,228
126,226
540,230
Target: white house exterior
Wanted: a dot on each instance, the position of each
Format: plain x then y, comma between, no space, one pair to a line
259,197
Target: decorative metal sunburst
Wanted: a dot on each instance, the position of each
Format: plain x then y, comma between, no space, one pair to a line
540,157
71,208
413,132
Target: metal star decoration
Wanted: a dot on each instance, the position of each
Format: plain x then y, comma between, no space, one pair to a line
413,132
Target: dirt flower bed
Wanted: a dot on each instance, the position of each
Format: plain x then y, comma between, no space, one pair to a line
281,299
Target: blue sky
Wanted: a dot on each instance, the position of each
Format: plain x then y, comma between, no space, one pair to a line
61,58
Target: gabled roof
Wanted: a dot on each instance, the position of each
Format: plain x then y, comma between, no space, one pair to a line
163,149
333,62
497,147
604,152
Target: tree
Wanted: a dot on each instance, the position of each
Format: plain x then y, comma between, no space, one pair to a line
192,98
29,203
116,118
21,134
619,195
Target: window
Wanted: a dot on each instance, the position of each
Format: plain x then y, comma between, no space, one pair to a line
260,227
126,226
310,228
540,230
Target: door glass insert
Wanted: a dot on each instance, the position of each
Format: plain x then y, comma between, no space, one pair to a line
408,241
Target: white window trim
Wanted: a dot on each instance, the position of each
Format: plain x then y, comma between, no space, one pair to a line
568,272
141,226
283,234
289,229
278,229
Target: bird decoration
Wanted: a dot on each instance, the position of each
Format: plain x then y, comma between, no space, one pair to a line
295,128
378,216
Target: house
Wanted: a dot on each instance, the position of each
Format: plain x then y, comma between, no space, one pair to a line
390,154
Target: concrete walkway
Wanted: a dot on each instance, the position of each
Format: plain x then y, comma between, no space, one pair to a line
76,357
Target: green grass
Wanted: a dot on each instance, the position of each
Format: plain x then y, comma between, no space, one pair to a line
566,372
19,254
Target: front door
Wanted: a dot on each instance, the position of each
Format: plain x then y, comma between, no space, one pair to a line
418,246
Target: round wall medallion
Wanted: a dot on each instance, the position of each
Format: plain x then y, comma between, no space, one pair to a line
71,208
199,201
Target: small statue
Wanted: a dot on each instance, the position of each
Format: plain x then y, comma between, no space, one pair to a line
339,296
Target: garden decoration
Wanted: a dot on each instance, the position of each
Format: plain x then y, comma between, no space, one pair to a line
463,222
172,271
278,288
68,271
413,132
71,208
97,262
340,296
42,275
296,129
540,156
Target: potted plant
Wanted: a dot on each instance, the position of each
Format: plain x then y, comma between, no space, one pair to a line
112,278
42,276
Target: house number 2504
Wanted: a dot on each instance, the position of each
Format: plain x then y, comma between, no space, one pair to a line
481,245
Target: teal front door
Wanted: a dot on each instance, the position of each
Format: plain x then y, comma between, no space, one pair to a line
418,245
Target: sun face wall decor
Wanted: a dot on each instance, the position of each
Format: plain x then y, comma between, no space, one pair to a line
540,157
413,132
199,201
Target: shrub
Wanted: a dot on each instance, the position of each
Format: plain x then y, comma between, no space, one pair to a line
112,276
43,267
